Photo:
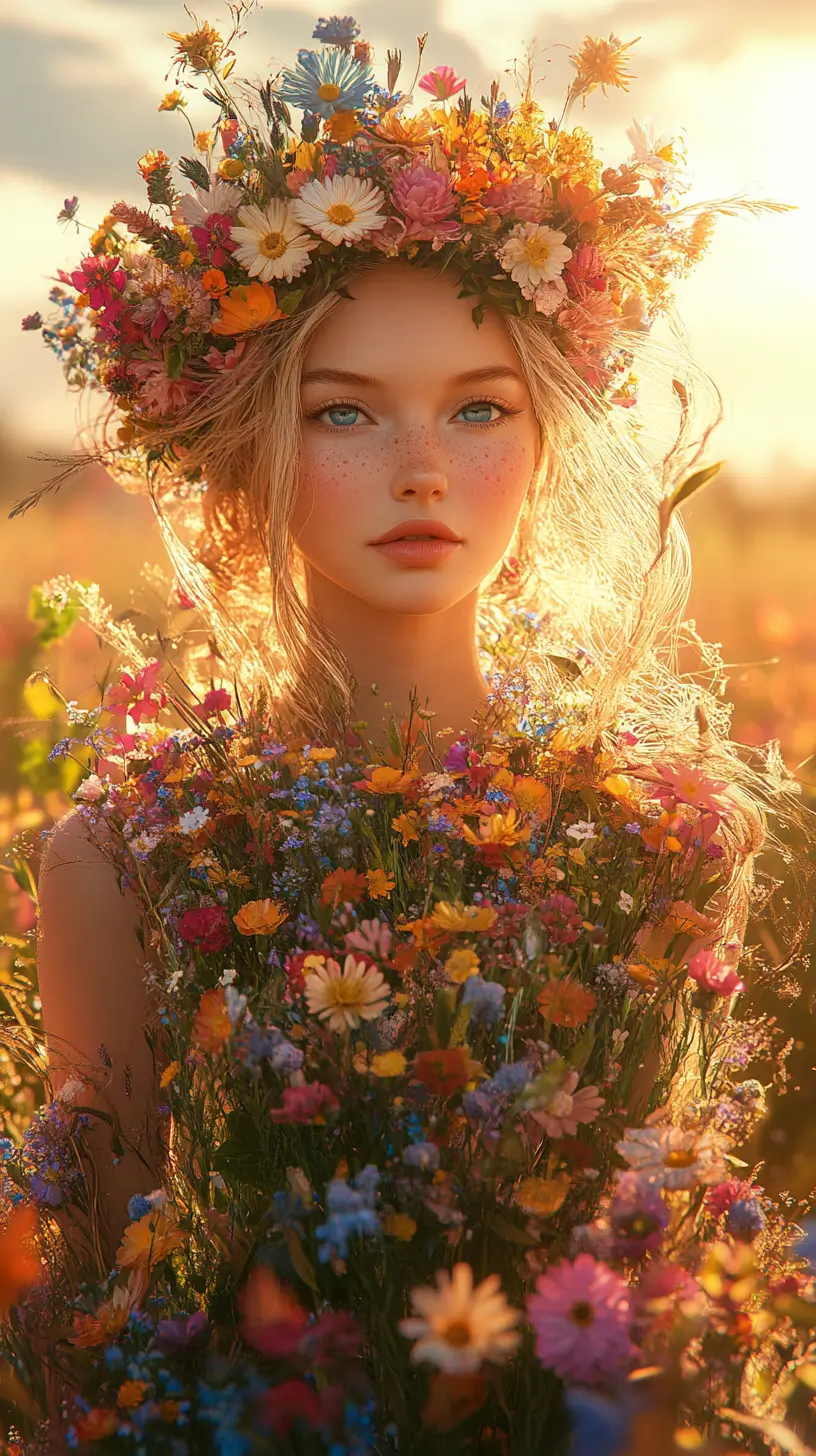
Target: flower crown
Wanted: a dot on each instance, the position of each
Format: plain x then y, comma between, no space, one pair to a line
519,207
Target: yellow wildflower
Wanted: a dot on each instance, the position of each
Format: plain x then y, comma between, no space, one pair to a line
169,1073
204,141
459,917
400,1226
342,126
407,825
500,829
601,63
230,168
322,755
131,1393
388,1064
541,1196
200,48
461,965
386,780
172,101
148,1240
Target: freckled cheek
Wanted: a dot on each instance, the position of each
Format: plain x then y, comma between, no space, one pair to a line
499,471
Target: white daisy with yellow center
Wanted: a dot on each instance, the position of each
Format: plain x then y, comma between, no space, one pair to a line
458,1327
340,209
271,242
533,254
343,999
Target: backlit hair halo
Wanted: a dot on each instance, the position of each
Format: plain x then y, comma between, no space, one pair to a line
517,206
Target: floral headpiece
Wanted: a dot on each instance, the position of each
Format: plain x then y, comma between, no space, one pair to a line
520,207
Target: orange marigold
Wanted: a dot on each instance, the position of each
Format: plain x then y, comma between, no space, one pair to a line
260,917
249,306
379,883
341,885
444,1071
566,1003
212,1027
148,1240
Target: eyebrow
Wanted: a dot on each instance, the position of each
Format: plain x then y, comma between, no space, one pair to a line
366,381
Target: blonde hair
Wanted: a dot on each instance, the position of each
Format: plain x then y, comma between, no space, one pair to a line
590,567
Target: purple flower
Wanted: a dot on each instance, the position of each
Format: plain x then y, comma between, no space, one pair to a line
484,998
637,1215
185,1332
31,322
746,1219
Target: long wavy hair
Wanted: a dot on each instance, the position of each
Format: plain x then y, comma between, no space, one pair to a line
589,562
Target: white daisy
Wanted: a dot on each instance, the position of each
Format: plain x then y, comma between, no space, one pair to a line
533,254
340,209
195,207
194,819
674,1157
457,1327
584,829
271,243
656,156
345,998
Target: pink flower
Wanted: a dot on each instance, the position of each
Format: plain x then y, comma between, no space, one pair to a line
442,83
310,1102
712,974
520,197
424,197
213,239
217,700
720,1198
372,937
584,271
566,1108
581,1314
160,396
691,786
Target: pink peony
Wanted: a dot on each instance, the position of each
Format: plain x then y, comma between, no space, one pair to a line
309,1102
712,974
521,198
442,83
206,927
581,1314
424,197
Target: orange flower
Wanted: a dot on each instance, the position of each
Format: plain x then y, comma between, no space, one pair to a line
149,1240
342,126
386,780
19,1260
472,182
200,48
379,883
151,162
341,885
444,1071
531,796
212,1027
260,917
497,829
96,1424
566,1003
214,282
250,306
407,825
90,1330
131,1393
266,1304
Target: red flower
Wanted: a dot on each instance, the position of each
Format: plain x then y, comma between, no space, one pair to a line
213,239
206,927
215,701
291,1401
443,1072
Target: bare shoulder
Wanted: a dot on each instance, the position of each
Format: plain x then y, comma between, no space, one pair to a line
77,872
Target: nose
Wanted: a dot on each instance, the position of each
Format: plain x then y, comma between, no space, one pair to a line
420,483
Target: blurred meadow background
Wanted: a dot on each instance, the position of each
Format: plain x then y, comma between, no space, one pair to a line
79,105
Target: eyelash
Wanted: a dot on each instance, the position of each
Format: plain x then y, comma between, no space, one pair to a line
506,412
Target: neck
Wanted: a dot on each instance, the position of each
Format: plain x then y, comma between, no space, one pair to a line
395,655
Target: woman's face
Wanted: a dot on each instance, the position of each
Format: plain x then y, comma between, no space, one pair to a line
419,443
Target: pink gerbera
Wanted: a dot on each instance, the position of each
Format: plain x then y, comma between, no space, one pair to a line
692,786
581,1314
442,83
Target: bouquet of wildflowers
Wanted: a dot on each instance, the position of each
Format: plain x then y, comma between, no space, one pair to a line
455,1103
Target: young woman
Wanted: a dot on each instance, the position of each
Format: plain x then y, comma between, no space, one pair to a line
389,365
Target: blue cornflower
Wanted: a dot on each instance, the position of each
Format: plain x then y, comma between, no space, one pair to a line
138,1206
422,1155
338,30
746,1219
351,1211
326,83
484,998
599,1426
503,111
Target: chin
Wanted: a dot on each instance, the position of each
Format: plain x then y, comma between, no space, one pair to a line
423,594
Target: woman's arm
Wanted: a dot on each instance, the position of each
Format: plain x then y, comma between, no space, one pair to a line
95,1008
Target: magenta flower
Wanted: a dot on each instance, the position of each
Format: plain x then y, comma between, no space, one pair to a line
712,974
425,199
213,239
442,83
581,1314
519,198
638,1214
584,271
308,1102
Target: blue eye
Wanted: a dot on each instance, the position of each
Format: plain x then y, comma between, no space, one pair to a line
478,413
343,414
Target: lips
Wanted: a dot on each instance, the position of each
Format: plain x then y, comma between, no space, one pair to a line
418,543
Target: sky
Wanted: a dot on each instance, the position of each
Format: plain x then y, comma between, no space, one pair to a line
78,106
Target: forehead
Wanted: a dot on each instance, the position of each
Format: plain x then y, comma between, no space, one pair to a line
398,318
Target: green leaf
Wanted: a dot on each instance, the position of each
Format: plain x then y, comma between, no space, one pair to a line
566,665
288,302
300,1262
39,696
682,493
174,357
582,1051
510,1232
